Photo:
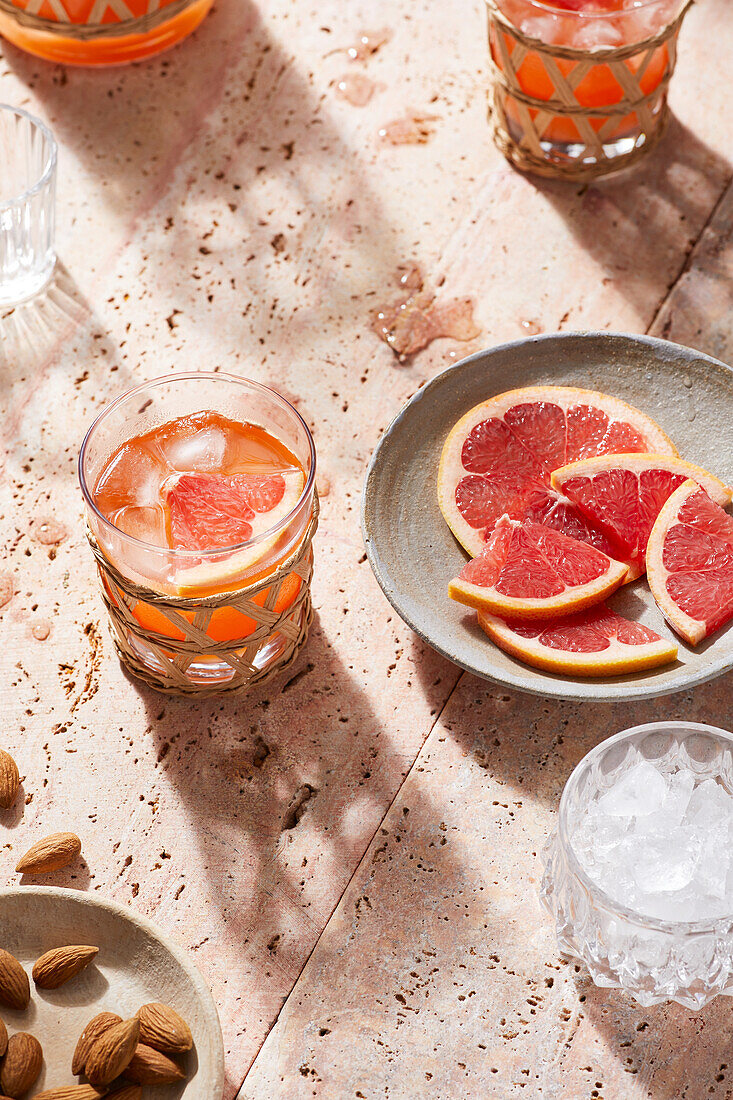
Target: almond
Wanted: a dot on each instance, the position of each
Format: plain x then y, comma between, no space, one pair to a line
70,1092
62,963
162,1028
127,1092
93,1031
50,854
15,989
21,1065
150,1067
112,1052
9,780
3,1040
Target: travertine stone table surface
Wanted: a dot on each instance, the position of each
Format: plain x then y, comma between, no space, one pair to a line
225,207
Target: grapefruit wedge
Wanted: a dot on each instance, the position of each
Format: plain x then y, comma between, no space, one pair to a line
593,643
528,571
622,495
499,457
214,513
690,563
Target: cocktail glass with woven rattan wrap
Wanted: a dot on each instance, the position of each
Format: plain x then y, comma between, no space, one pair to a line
579,94
204,622
99,32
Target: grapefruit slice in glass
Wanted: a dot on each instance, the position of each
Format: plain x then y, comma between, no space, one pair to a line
690,563
499,457
596,642
215,512
528,571
622,495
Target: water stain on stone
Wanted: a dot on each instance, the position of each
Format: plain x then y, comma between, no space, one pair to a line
414,128
49,532
368,43
6,588
41,630
355,88
418,318
531,328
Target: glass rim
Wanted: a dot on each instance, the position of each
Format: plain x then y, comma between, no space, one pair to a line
220,551
599,895
51,161
571,13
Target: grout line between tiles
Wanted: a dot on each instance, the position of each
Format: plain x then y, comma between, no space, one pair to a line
384,816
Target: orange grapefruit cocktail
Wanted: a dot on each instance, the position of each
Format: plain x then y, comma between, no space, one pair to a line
83,32
586,25
196,486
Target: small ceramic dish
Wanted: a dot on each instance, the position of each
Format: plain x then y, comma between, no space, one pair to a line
136,964
414,555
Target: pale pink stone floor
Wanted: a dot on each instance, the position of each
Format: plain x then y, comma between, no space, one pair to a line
224,206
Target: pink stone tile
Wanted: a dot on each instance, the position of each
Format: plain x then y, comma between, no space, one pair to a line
439,975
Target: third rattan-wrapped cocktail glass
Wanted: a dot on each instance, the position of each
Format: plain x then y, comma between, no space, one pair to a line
580,93
201,508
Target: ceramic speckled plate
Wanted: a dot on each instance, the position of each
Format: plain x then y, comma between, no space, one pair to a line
136,964
414,555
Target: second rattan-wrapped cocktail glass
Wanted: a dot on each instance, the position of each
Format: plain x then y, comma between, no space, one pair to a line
205,569
577,94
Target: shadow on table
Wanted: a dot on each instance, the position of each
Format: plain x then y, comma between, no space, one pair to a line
531,745
270,179
281,819
646,219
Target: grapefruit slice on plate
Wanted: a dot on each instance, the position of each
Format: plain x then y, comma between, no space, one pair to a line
213,512
528,571
596,642
622,495
499,457
690,563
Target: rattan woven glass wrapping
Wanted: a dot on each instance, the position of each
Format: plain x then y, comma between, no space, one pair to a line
522,143
98,24
175,656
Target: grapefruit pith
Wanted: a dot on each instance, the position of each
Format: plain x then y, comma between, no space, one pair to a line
528,571
690,563
597,642
499,457
622,495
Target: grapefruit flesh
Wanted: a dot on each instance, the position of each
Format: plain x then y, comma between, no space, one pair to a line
623,494
529,571
498,459
690,563
213,511
593,643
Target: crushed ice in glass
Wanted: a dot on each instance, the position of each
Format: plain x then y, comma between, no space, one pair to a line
660,843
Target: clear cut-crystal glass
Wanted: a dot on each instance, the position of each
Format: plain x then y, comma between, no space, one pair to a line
27,201
653,960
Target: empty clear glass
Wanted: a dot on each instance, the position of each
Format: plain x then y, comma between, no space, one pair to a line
27,198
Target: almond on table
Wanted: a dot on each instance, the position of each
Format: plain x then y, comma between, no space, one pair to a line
9,780
52,853
70,1092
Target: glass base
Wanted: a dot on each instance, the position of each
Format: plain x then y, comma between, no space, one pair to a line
27,285
107,50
